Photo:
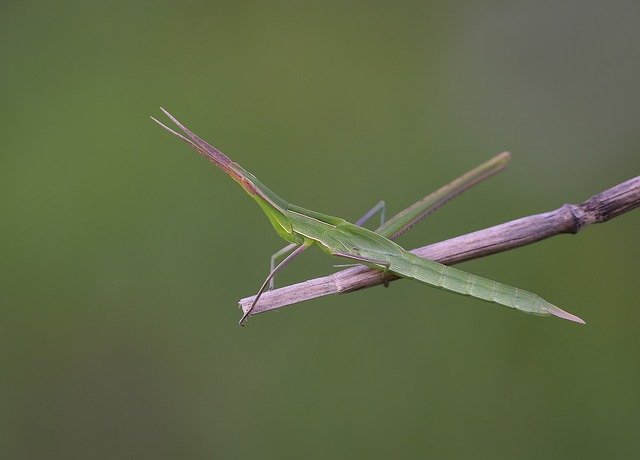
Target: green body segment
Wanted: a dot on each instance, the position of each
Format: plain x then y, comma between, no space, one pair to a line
339,237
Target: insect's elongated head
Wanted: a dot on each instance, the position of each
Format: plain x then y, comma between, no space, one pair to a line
212,154
272,205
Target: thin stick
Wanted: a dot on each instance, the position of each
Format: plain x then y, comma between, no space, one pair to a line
569,218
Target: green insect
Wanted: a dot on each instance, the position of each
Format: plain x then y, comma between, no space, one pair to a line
303,228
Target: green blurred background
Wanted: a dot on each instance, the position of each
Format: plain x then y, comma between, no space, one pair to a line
123,254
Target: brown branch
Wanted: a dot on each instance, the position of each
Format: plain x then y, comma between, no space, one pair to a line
569,218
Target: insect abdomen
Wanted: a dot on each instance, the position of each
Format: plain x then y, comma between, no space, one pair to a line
461,282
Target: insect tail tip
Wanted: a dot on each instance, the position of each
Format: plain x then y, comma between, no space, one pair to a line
555,311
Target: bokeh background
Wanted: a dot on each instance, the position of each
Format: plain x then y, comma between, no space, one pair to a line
123,254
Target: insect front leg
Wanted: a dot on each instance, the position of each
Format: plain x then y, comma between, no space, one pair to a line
272,273
286,250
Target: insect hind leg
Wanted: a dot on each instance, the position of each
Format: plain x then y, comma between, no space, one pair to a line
379,207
